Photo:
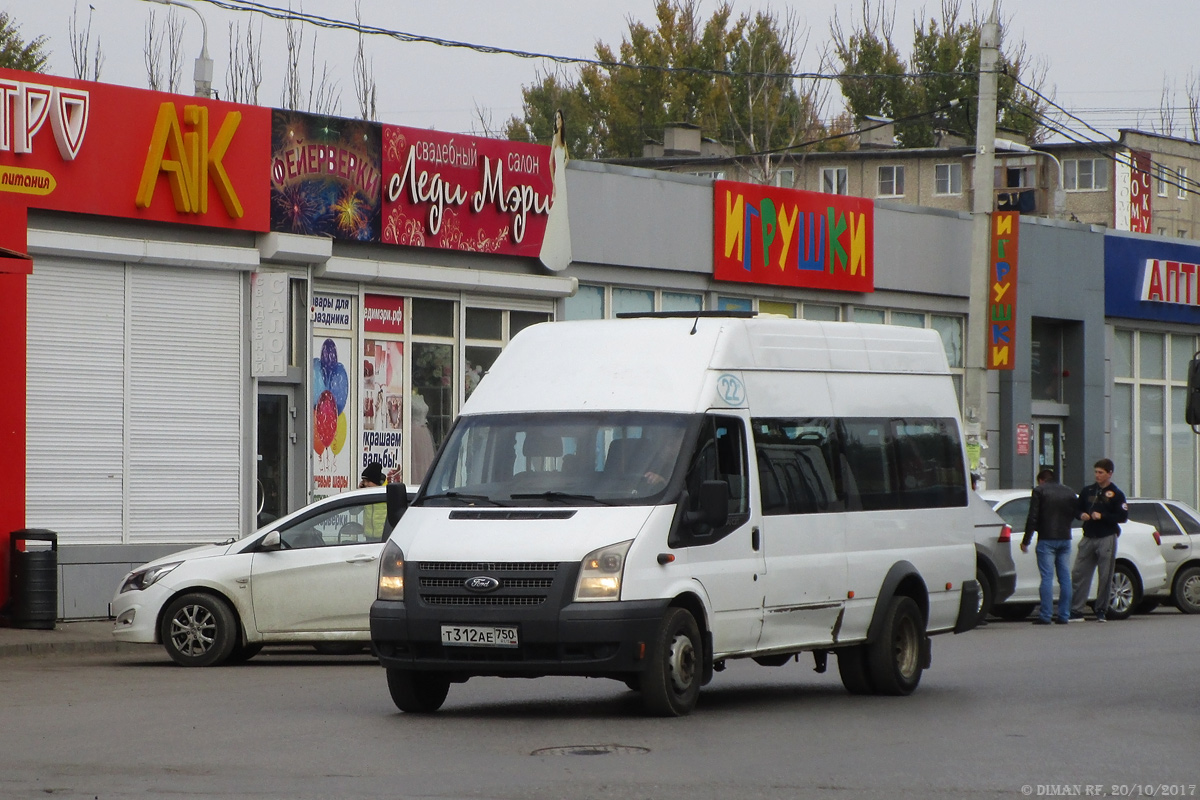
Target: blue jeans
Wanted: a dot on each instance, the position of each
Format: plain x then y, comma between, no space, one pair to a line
1054,556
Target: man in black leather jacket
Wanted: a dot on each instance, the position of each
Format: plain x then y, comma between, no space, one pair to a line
1102,508
1051,512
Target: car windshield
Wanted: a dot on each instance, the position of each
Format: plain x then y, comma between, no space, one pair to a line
557,459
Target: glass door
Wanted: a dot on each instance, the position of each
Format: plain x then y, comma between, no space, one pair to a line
1048,453
276,452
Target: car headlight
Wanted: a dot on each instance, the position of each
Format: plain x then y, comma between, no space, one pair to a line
600,574
146,577
391,572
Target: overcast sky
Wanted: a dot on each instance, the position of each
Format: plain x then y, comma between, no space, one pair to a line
1107,59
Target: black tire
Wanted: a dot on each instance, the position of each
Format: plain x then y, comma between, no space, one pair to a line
895,657
1148,604
671,683
1013,612
634,682
199,630
1187,590
1125,593
852,666
987,594
339,648
244,652
417,692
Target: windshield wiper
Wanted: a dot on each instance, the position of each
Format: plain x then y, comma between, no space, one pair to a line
563,496
466,498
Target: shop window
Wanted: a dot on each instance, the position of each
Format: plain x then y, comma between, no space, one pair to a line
432,402
1046,361
735,304
632,301
1150,356
682,301
1183,348
485,323
432,317
951,331
777,308
1183,443
520,320
822,313
587,303
908,319
1122,359
877,316
1151,441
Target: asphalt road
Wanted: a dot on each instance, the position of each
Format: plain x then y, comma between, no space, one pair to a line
1011,710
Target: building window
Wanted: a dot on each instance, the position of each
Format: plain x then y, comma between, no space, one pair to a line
891,181
777,308
600,302
822,313
716,175
1046,361
1151,441
1160,179
632,301
1183,183
785,178
735,304
587,303
1085,174
835,180
947,179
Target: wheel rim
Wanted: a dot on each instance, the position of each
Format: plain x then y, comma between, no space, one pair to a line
1121,599
906,648
193,630
681,663
1191,590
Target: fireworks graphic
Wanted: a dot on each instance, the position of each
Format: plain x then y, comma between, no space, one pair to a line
351,213
301,208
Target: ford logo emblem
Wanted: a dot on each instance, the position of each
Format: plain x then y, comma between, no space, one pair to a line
481,583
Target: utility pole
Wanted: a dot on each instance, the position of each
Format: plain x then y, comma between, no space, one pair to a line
975,388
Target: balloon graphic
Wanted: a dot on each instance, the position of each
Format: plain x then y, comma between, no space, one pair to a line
339,435
318,381
318,445
325,419
329,358
338,384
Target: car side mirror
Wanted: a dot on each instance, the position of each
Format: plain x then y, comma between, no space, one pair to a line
1191,412
271,542
712,501
397,502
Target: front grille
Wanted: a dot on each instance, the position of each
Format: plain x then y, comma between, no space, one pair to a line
482,600
521,583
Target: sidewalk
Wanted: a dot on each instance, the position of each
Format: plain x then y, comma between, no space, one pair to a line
68,638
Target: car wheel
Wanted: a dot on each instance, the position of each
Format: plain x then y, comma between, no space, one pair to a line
1187,590
987,594
1148,605
634,682
244,652
894,659
671,683
417,692
1125,594
198,630
852,666
1013,612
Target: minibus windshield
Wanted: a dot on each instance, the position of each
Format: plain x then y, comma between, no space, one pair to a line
559,459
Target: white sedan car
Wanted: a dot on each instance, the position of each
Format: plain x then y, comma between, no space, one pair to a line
1139,576
309,577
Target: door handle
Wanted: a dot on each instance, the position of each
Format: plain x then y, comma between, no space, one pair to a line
754,538
1181,547
361,559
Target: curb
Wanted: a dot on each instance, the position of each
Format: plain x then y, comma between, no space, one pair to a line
67,648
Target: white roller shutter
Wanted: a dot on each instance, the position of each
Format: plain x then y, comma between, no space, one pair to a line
75,460
136,390
185,401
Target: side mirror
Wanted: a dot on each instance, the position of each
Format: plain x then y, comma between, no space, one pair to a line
397,502
1191,412
712,501
271,542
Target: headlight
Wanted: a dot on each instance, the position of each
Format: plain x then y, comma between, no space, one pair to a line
600,574
391,572
147,577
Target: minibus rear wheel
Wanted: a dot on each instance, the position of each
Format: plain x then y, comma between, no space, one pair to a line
671,683
894,657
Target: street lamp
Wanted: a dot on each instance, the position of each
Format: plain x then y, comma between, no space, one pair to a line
203,73
1060,193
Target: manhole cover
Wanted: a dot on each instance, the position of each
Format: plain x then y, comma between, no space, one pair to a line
591,750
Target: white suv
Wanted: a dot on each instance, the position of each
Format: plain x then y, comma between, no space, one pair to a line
1139,577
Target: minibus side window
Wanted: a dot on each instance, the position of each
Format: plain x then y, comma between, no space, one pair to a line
796,469
720,455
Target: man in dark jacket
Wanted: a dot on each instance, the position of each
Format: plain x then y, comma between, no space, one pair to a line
1102,508
1051,512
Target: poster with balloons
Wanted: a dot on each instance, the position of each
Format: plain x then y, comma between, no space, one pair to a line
331,414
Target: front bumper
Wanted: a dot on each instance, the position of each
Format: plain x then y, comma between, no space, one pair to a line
135,614
591,639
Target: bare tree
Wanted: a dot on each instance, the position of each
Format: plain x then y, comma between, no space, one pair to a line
1166,111
323,95
486,128
167,41
86,62
244,76
364,72
1192,89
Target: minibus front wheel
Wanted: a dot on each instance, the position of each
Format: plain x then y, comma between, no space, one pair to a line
417,692
671,683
